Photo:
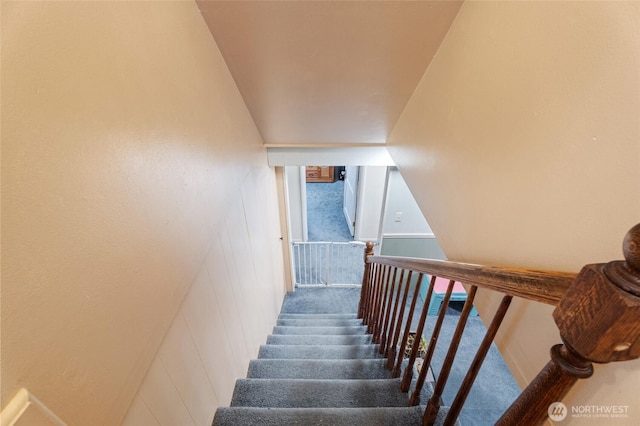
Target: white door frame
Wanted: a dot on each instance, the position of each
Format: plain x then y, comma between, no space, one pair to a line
351,217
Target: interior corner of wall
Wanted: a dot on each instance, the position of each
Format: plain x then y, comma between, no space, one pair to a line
25,409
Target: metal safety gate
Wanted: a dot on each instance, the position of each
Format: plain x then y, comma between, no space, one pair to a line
328,263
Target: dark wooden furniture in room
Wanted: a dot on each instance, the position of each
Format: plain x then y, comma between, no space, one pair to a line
320,174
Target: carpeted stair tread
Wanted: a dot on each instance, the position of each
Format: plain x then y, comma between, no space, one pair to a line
318,352
318,316
318,339
322,300
319,330
305,393
374,416
319,322
318,369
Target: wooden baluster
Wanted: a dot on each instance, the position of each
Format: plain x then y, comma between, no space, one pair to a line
376,297
376,280
371,292
372,286
391,358
366,278
407,328
367,296
433,406
381,299
376,302
414,399
363,292
408,372
385,325
392,326
474,368
549,386
383,304
598,322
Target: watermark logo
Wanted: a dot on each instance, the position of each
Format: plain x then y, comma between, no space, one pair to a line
557,411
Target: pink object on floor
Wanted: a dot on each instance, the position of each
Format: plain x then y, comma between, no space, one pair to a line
439,289
442,284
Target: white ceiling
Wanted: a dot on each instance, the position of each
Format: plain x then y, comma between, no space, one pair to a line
327,72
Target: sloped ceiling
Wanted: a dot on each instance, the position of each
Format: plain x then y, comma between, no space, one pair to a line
327,72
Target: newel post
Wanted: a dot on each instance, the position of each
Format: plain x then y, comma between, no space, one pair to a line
599,321
368,251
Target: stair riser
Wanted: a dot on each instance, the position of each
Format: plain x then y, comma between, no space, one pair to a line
318,369
250,416
319,352
319,330
283,393
285,339
313,322
321,369
317,316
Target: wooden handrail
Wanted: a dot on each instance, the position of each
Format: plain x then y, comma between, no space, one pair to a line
540,286
599,321
597,313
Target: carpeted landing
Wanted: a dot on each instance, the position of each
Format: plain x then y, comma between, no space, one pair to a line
320,368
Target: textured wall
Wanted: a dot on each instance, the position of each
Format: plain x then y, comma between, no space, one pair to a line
128,159
226,315
522,146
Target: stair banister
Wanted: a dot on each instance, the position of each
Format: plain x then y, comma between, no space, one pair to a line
597,313
599,322
368,251
537,285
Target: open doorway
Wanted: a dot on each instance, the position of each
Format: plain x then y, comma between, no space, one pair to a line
350,196
325,250
326,205
346,209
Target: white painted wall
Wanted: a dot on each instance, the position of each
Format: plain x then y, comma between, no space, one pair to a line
522,146
400,200
140,235
296,193
368,210
409,234
370,202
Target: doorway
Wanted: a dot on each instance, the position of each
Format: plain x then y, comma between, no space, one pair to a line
325,207
350,197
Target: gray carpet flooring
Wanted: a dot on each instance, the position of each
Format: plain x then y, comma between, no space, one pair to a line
338,380
320,301
320,368
325,218
371,416
494,389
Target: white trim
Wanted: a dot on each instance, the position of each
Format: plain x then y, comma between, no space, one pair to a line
303,202
329,156
383,207
360,196
365,240
324,145
409,235
20,403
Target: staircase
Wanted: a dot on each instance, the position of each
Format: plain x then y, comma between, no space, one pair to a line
320,368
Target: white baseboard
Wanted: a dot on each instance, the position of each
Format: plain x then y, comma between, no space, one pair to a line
25,405
408,235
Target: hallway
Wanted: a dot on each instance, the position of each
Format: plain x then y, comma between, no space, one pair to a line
325,218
